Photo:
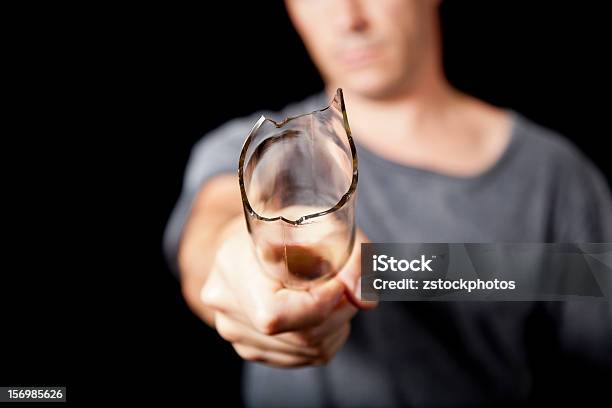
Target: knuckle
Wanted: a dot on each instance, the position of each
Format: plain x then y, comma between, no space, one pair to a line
247,353
227,330
306,338
267,322
206,299
318,319
319,306
210,296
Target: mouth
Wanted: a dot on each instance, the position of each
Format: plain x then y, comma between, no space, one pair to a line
359,57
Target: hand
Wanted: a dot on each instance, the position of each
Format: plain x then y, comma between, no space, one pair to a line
269,323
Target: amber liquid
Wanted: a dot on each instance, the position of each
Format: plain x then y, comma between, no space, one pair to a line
303,263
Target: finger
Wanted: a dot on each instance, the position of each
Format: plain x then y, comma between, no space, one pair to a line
289,309
237,332
350,275
272,358
333,344
216,294
337,320
213,292
314,336
227,291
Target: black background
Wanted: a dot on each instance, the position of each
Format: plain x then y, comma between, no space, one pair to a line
91,304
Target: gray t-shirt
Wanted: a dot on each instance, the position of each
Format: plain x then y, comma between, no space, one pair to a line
542,189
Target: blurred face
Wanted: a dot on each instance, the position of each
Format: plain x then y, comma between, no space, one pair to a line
370,47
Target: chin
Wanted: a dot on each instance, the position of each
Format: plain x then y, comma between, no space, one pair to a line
371,83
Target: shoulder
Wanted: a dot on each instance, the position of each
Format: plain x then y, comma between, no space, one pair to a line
579,191
219,149
550,151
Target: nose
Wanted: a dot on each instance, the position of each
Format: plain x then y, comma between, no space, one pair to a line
349,15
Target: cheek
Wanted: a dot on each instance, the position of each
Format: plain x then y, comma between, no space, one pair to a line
401,31
313,31
398,19
319,47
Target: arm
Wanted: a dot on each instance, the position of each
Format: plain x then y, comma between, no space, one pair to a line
216,206
585,215
223,284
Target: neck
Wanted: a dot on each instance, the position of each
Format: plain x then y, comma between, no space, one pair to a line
429,124
405,114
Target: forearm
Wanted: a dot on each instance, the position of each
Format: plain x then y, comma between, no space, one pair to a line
217,207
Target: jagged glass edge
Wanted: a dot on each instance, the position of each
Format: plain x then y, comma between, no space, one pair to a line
345,197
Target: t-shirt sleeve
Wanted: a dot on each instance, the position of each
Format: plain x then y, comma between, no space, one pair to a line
584,214
584,209
216,153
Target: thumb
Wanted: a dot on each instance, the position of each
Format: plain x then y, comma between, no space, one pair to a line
297,309
350,275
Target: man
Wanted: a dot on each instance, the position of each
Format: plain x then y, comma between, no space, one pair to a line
436,165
